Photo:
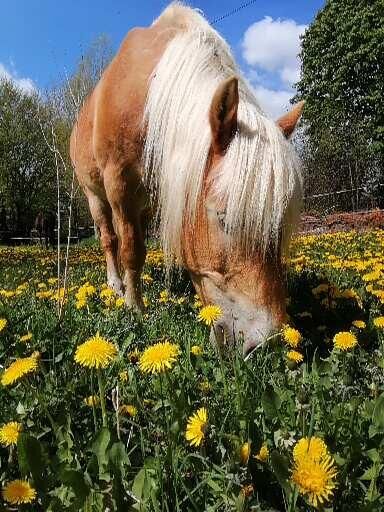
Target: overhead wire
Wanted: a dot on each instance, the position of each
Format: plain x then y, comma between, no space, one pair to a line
234,11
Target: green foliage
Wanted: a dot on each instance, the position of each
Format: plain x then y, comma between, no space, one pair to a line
341,80
27,168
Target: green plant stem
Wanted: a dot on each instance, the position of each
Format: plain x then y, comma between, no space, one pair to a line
102,397
93,405
293,499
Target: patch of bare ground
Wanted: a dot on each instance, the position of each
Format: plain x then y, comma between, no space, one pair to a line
345,221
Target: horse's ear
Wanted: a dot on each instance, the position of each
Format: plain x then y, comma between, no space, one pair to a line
223,114
289,120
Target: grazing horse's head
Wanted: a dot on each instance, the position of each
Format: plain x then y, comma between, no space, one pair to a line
230,267
227,181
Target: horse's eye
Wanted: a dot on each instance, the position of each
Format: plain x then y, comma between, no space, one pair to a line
221,219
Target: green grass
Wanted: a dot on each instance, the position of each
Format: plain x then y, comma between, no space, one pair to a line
144,462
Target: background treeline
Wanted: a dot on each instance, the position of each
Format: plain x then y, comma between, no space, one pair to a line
34,147
342,81
341,138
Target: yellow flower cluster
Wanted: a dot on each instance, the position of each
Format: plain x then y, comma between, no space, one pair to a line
155,258
364,257
83,293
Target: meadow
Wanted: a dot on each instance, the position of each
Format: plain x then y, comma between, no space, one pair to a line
101,409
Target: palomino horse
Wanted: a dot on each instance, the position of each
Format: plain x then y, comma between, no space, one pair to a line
172,123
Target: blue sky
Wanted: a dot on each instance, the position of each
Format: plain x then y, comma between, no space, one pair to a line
41,40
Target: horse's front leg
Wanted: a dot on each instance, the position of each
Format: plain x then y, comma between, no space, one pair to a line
102,215
124,196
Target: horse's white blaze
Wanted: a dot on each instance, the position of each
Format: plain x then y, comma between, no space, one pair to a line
259,177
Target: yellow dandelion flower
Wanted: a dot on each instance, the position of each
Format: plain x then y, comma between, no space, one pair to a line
196,427
9,433
164,296
372,276
313,447
119,302
197,303
130,410
123,376
344,340
159,357
359,324
19,368
315,479
263,454
245,451
3,324
26,337
209,314
44,294
108,296
292,337
81,303
196,350
18,492
92,400
8,294
379,322
294,356
146,278
96,352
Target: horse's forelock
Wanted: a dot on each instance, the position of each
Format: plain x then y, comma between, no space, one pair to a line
258,176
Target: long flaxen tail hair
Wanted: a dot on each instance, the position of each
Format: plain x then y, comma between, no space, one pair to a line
259,177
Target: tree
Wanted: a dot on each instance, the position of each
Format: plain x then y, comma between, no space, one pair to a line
27,169
342,82
34,145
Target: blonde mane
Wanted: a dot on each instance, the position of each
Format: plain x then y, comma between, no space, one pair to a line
259,177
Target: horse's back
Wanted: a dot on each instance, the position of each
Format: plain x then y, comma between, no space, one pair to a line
109,125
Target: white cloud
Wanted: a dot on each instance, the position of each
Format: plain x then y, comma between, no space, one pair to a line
273,46
25,84
275,103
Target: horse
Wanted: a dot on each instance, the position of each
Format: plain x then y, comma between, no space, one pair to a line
172,125
45,223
